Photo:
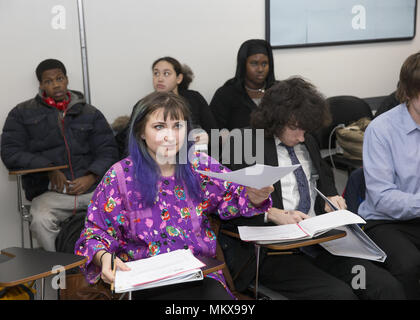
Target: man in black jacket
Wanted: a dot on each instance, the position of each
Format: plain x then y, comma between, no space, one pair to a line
290,110
57,127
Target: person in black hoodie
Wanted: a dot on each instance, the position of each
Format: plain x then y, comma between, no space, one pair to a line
170,75
233,103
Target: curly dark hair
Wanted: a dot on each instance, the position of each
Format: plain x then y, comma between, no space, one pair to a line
293,102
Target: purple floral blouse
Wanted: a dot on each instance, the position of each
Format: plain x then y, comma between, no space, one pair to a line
174,222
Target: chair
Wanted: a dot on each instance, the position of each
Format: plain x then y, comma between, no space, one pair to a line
344,110
355,189
24,209
387,104
215,224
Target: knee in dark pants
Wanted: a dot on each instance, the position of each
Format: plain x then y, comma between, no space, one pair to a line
343,292
381,286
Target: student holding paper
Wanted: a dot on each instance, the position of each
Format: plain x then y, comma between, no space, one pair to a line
289,111
169,200
391,165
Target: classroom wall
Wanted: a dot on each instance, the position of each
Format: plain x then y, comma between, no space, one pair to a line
125,37
206,35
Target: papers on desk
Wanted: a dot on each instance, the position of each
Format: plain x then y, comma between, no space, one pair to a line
161,270
305,229
257,176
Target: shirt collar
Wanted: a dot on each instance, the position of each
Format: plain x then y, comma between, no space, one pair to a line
407,122
277,141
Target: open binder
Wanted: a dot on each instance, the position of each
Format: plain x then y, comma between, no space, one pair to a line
164,269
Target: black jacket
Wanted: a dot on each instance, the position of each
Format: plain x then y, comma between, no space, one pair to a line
238,253
201,114
232,106
35,136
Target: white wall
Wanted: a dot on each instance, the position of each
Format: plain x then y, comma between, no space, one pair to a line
27,38
125,37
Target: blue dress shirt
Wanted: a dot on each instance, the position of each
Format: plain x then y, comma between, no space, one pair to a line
391,163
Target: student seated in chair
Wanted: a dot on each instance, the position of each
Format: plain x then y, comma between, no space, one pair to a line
233,102
169,75
57,127
289,111
166,202
391,163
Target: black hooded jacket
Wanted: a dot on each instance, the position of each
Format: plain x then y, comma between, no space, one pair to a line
231,104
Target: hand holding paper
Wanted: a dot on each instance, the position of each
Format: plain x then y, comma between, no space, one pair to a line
257,196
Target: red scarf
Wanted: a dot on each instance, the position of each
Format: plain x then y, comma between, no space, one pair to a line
61,105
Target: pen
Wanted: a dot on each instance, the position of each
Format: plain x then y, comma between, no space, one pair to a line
113,268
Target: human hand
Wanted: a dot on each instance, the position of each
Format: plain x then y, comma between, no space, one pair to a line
257,196
279,216
81,185
201,137
337,201
107,274
58,180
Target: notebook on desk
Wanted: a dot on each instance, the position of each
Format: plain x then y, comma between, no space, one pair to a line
305,229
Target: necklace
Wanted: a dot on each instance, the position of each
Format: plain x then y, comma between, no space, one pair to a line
261,90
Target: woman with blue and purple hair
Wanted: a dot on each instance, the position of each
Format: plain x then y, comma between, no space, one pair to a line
169,201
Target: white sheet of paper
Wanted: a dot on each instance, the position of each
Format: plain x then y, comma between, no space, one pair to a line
330,220
271,234
257,176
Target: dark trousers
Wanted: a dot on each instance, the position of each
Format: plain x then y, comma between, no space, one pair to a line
401,243
206,289
328,277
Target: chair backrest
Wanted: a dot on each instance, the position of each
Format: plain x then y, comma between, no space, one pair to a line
355,190
215,224
344,110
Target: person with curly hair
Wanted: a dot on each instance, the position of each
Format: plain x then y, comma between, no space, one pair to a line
289,111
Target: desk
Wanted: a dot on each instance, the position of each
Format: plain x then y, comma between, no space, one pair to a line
23,209
211,265
282,246
20,265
